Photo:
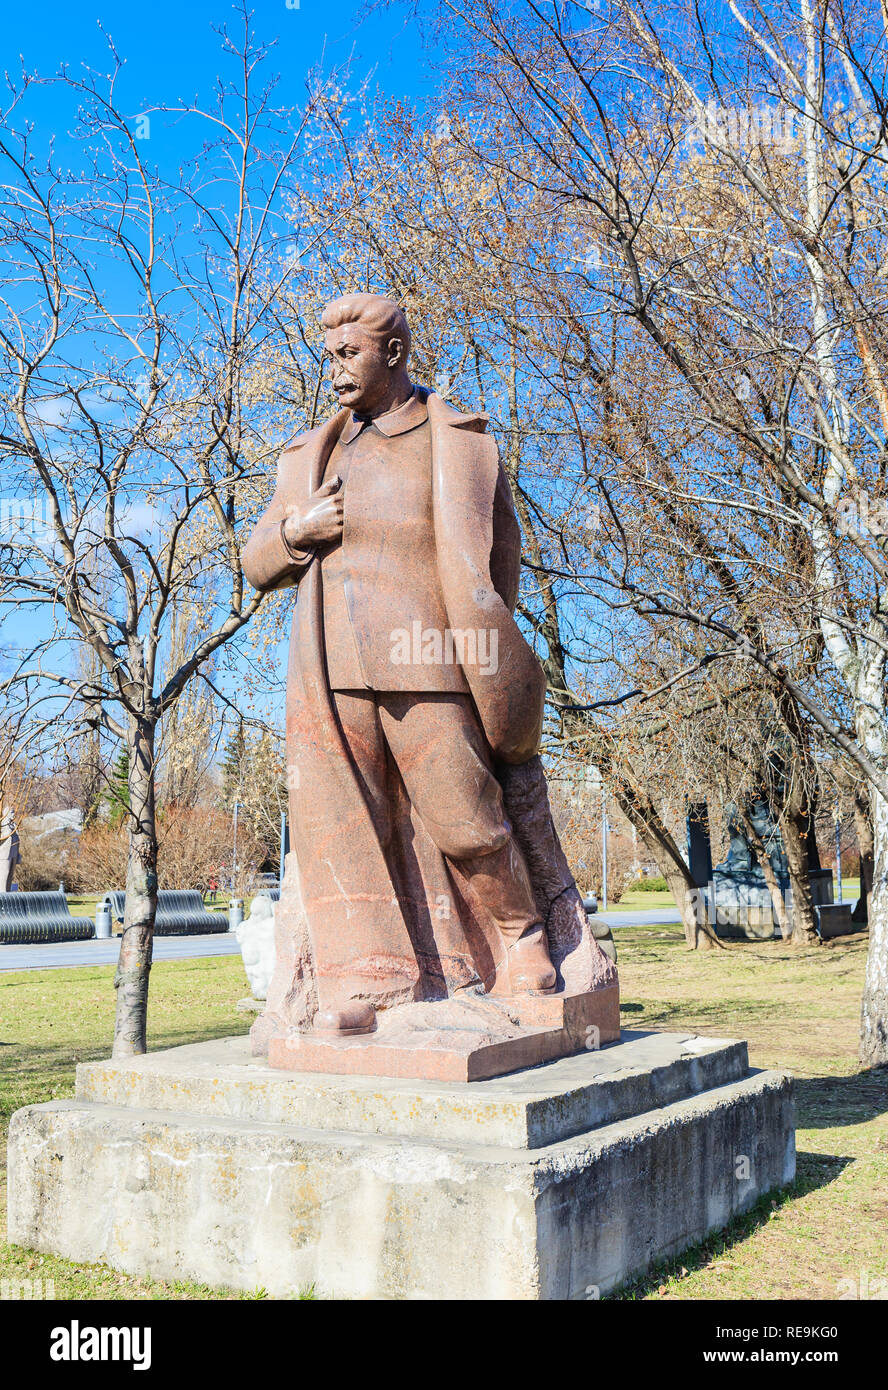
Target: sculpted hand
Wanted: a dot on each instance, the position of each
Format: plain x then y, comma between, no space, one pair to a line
320,521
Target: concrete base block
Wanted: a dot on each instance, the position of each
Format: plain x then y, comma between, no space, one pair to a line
557,1182
745,931
835,919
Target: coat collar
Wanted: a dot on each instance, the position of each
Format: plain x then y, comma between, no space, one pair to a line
404,417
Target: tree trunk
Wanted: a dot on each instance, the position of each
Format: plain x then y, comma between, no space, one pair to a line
764,859
794,828
691,903
874,1008
134,964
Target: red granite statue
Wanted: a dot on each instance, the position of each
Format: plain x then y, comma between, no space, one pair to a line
426,863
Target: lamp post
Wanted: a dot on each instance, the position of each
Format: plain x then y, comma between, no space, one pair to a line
234,851
603,848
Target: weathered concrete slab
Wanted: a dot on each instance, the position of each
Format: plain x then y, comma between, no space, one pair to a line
446,1211
523,1110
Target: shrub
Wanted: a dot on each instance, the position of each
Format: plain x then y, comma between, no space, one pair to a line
193,843
46,860
578,822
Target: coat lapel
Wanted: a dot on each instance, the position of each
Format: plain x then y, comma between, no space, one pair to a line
311,452
507,681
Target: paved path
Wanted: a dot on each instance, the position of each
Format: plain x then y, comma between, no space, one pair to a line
636,916
67,953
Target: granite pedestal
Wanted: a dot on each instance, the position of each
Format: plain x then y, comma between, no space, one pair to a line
471,1039
560,1181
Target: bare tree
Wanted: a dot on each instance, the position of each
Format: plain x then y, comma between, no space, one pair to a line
480,337
732,187
135,425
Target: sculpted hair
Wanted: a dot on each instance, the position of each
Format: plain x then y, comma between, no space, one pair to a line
380,316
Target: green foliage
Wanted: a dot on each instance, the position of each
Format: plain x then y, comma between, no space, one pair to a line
253,774
117,797
648,885
232,767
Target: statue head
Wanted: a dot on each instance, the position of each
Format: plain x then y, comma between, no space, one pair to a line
368,343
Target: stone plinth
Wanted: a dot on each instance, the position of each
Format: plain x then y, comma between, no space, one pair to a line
740,905
555,1182
835,919
463,1039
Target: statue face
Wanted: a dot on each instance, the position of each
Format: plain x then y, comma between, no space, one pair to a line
362,367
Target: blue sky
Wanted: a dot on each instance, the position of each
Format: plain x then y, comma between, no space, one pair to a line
172,51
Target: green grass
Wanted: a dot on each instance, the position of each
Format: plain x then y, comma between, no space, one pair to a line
797,1008
53,1019
83,907
635,898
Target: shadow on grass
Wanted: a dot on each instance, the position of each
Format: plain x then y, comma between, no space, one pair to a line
685,1015
826,1102
219,1028
812,1171
55,1053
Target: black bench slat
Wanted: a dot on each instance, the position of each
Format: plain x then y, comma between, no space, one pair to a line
180,912
29,918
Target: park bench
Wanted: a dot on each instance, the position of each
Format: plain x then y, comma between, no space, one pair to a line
180,912
26,918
